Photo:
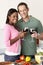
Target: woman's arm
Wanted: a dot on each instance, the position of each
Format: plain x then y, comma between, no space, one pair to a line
20,35
7,36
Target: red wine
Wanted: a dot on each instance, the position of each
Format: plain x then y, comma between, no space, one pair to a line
25,29
31,31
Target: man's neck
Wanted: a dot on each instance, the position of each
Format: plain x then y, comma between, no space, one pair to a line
26,19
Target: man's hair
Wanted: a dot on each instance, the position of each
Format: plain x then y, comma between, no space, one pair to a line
22,3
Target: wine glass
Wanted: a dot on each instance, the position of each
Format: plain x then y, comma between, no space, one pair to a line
31,30
25,30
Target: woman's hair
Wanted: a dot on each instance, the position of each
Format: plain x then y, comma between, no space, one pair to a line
22,3
10,12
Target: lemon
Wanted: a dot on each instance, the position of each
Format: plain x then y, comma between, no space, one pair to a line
28,59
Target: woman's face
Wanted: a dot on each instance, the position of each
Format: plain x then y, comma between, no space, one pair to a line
13,18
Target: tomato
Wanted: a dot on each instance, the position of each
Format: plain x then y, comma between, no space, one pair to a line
18,61
30,64
22,57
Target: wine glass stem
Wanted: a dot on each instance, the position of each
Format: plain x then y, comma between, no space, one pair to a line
32,39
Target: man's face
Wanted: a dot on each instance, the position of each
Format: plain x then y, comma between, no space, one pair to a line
23,11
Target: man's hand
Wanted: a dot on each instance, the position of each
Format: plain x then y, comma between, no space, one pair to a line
34,35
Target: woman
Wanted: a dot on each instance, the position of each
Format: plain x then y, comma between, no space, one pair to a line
12,37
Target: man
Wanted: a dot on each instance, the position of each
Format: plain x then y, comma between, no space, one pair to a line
28,46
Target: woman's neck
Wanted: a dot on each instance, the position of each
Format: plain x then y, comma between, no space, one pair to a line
11,24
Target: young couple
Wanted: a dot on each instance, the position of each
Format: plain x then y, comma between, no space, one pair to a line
13,33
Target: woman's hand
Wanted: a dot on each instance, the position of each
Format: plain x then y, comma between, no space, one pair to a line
22,34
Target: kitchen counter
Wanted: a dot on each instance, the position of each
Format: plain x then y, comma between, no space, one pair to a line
13,63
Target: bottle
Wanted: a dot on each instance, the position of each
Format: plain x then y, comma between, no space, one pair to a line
41,63
41,58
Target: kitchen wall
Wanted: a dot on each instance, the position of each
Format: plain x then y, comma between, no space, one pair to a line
2,45
36,9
